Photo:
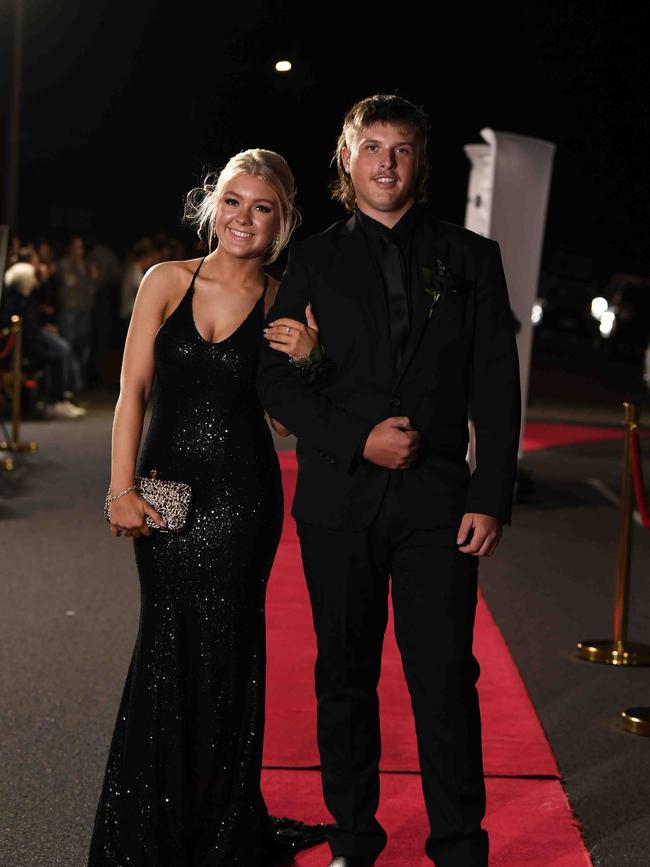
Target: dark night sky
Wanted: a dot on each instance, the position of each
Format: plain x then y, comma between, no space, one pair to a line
124,103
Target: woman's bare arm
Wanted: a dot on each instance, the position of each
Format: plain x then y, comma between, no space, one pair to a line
136,379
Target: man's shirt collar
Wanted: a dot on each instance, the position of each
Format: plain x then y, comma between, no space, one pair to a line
402,229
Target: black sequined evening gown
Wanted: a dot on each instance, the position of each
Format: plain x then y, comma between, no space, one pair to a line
182,783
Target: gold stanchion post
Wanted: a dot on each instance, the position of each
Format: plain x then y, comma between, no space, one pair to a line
18,384
17,376
637,720
620,651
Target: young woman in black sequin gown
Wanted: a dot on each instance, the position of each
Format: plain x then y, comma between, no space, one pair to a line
182,782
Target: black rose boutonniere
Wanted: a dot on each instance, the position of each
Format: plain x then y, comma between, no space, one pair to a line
315,367
438,282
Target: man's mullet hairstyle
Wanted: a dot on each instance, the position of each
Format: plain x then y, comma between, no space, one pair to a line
387,109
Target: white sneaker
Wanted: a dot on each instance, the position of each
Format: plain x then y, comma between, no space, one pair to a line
61,410
74,410
56,411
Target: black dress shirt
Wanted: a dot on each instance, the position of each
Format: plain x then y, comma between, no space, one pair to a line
403,234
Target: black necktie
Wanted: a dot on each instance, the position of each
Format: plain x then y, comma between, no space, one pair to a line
398,310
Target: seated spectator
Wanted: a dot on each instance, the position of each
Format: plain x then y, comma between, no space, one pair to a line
42,343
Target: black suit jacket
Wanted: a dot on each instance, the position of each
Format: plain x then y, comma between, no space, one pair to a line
461,357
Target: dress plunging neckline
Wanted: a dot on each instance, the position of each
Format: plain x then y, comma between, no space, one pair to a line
241,324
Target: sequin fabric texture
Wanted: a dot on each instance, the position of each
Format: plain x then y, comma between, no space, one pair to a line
182,782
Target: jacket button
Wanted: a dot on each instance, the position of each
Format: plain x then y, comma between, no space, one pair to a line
396,401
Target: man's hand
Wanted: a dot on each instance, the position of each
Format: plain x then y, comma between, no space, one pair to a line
392,443
486,536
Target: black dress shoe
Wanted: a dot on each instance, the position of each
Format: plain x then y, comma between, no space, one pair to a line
283,838
350,861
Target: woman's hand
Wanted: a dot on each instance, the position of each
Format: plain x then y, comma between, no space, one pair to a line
127,515
292,337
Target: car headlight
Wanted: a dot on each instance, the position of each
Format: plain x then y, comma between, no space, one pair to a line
607,322
598,306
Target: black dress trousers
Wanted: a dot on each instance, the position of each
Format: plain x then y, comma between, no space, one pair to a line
434,592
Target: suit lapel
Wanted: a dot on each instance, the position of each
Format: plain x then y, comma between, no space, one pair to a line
359,274
352,273
430,244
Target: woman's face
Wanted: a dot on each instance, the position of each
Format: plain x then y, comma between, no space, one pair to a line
248,216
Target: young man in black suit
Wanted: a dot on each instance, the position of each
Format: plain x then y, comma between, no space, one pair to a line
417,332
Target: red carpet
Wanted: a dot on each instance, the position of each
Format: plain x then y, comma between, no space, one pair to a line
514,742
544,435
530,821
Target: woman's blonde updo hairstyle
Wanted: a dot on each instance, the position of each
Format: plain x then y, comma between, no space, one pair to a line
201,203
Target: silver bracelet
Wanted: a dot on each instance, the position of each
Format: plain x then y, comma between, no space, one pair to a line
117,496
300,361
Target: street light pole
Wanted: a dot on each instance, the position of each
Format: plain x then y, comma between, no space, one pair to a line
11,193
14,128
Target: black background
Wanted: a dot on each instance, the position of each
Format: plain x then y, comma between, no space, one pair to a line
125,104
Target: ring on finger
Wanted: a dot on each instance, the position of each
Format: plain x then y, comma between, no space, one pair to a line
288,329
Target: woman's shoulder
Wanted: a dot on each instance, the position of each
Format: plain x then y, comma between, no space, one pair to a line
174,269
164,283
166,278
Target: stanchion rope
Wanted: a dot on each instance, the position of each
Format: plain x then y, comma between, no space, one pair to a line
637,475
9,345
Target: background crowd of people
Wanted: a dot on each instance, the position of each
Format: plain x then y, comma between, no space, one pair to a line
75,301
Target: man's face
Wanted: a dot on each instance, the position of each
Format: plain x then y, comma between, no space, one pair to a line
383,161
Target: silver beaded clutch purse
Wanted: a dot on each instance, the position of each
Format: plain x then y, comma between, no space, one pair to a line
170,499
